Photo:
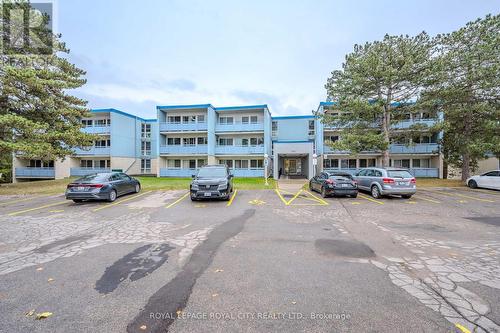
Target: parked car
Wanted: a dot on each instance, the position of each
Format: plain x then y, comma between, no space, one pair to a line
387,181
212,181
102,186
490,179
334,183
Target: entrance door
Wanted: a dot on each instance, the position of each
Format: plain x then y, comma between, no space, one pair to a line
293,166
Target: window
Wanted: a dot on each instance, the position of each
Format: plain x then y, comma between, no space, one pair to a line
100,122
331,163
226,120
189,141
255,164
174,119
146,130
87,122
421,163
103,164
491,174
225,141
188,119
201,163
229,163
173,141
202,140
332,138
254,119
366,162
348,164
146,148
244,142
311,127
244,120
274,128
102,143
401,163
192,164
86,164
253,142
260,141
173,164
201,118
145,166
41,164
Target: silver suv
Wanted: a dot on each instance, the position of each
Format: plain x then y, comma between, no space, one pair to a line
387,181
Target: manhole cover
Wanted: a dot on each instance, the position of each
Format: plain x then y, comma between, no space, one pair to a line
343,248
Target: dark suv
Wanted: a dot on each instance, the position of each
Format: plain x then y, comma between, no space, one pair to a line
212,181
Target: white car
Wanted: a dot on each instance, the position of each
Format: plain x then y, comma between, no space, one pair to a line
490,179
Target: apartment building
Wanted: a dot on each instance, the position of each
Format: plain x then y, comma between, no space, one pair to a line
194,135
125,143
247,139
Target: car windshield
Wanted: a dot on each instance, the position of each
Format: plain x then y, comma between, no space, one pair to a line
399,174
212,173
93,178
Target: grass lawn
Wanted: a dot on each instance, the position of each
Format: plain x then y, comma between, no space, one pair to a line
148,183
436,182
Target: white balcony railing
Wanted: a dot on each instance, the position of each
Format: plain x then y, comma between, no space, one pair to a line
239,150
239,127
182,127
184,149
92,151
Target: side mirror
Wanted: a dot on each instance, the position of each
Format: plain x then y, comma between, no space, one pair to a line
193,176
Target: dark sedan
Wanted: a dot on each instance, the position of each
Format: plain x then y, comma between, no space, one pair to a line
334,183
102,186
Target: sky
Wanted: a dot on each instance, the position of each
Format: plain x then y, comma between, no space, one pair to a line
140,54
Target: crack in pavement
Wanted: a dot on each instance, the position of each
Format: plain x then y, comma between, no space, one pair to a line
164,305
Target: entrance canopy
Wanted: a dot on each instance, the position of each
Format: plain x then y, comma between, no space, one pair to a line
293,159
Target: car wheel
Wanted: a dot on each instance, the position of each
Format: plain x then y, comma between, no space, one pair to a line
77,200
112,196
406,196
375,192
323,192
137,188
472,184
310,187
354,196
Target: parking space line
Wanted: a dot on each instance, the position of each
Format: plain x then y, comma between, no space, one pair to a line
318,199
177,201
302,197
459,195
36,208
232,198
426,199
370,199
281,197
18,200
461,328
119,202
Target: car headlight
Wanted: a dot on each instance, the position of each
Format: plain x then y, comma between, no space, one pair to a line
194,187
223,186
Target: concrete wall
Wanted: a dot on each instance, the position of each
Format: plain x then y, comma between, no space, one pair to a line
293,128
62,168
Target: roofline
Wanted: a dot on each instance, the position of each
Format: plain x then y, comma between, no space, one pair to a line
242,107
294,117
185,106
122,113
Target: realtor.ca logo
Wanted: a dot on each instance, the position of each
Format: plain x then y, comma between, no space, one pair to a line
27,27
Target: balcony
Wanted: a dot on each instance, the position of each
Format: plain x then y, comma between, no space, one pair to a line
97,129
239,127
418,148
86,171
89,151
35,173
407,123
425,172
181,173
247,172
184,150
183,127
239,150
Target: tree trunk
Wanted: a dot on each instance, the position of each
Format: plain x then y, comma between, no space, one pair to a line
386,125
465,166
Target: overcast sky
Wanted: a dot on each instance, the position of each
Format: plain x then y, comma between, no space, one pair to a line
139,54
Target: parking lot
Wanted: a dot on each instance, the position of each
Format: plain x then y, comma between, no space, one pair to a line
266,260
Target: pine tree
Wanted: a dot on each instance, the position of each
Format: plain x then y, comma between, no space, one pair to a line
39,118
376,88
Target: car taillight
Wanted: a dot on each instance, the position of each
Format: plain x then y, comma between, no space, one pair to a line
413,181
355,183
330,181
388,180
71,185
95,185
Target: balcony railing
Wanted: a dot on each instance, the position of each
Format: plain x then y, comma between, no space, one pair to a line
247,172
425,172
182,127
410,122
35,172
92,151
97,129
418,148
239,150
86,171
176,172
184,149
239,127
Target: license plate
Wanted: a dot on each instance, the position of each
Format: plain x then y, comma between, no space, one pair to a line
207,194
344,185
80,188
402,183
